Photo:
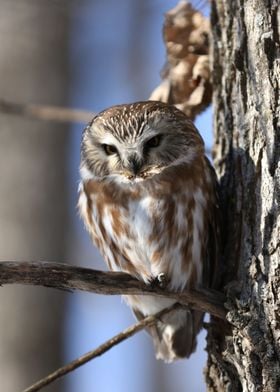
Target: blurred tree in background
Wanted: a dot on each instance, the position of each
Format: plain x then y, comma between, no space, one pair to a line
33,208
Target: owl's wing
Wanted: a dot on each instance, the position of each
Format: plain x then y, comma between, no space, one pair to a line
212,265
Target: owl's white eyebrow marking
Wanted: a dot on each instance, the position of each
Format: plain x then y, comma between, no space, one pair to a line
109,139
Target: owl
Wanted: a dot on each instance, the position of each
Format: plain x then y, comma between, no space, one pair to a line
148,197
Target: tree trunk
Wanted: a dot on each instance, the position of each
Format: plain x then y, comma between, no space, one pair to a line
33,216
244,355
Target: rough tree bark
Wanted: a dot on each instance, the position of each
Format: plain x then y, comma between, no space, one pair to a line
244,356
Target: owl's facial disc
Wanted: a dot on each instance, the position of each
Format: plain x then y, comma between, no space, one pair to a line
132,159
137,141
134,164
126,161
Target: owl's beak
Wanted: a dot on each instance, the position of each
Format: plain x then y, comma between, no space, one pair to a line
134,164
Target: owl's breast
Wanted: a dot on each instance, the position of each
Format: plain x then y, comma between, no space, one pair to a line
146,233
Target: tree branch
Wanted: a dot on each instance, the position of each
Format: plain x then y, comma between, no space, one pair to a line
67,277
127,333
47,113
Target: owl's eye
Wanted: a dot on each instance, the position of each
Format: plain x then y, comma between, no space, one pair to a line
153,142
109,149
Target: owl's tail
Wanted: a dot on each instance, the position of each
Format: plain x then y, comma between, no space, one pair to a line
174,335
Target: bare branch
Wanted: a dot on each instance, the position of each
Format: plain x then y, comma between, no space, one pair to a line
43,112
127,333
49,113
67,277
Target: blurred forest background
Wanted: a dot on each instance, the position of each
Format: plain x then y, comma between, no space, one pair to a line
87,54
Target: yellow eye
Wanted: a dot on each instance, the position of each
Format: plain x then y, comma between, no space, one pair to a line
109,149
153,142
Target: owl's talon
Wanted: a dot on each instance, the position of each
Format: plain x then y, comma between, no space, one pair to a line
152,282
162,280
159,281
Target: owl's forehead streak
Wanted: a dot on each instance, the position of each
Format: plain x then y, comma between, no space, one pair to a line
130,121
124,126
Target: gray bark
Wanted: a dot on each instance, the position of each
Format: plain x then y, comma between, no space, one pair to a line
33,59
245,353
66,277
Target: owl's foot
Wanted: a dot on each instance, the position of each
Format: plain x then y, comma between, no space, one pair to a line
159,281
162,280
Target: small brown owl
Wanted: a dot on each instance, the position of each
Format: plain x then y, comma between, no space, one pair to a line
148,198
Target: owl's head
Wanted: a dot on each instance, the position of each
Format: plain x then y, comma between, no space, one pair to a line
138,140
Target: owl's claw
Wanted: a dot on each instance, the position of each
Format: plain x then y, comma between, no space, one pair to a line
162,280
159,281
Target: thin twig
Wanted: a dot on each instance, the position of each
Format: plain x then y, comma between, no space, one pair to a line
67,277
127,333
47,113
